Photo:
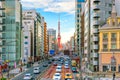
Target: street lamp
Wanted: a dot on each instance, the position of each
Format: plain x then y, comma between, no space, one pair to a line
113,64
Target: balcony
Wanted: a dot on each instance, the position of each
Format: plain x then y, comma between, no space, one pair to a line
113,39
1,43
96,1
86,59
114,49
2,8
86,44
95,62
96,23
96,15
95,46
96,7
95,31
85,52
105,50
94,54
95,38
2,14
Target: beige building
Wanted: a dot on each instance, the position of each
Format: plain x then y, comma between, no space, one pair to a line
109,44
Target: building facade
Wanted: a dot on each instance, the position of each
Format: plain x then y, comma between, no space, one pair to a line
10,30
33,35
51,39
96,12
45,39
109,43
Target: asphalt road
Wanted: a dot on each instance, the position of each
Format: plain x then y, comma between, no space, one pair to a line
30,70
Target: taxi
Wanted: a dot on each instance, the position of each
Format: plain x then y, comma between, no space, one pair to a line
68,76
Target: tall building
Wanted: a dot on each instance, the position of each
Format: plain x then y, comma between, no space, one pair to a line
96,13
33,35
109,36
45,39
78,26
10,30
52,39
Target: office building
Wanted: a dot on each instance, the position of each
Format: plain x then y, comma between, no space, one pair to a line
10,31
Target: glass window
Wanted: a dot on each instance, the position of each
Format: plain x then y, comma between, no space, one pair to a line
105,35
26,37
105,68
104,46
113,46
113,35
113,68
26,42
78,5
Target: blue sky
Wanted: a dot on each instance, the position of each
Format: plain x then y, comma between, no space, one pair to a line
50,9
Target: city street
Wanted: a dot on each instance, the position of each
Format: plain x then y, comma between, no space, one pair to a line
30,70
52,70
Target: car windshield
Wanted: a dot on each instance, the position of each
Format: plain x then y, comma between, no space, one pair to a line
68,74
57,74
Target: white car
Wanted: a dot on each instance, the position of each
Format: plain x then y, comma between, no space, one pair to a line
57,76
27,76
66,66
58,68
36,70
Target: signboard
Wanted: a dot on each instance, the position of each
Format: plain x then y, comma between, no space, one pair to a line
52,52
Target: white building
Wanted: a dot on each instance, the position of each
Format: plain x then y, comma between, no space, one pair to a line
96,13
33,28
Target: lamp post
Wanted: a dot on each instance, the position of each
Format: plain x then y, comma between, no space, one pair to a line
113,64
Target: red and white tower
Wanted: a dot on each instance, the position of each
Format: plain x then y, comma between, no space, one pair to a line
59,36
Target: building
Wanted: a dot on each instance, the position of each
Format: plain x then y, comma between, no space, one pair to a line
33,35
78,7
10,31
45,39
109,44
51,39
96,13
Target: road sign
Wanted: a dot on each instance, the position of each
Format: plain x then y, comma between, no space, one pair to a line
52,52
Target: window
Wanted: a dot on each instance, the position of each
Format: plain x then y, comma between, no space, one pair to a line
105,68
26,42
104,46
113,35
113,68
26,37
113,46
105,35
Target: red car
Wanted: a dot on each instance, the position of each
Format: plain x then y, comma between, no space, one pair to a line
55,64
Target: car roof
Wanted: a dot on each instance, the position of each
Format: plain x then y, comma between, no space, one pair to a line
57,73
27,74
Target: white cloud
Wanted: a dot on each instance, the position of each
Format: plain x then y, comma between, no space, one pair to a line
66,35
51,5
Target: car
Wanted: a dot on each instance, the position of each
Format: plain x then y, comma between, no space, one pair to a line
36,70
74,69
68,76
45,65
27,76
55,63
66,66
49,62
57,76
58,68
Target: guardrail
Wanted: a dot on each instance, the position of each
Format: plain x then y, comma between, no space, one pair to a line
43,72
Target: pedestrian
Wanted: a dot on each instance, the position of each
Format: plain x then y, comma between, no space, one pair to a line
20,69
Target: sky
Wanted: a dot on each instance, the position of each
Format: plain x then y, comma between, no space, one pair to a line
50,10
